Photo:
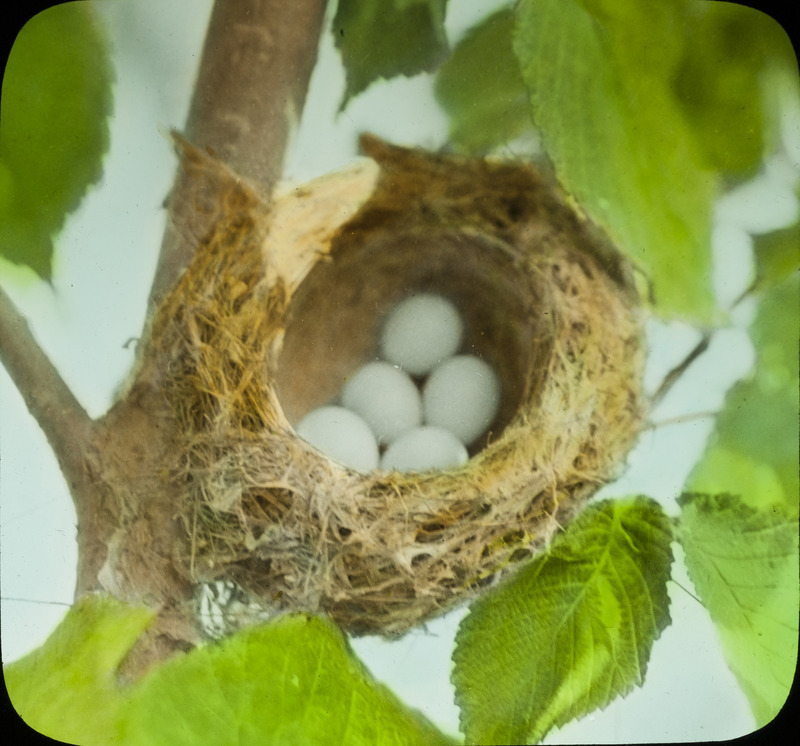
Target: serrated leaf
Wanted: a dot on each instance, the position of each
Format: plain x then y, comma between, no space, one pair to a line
386,38
744,565
742,549
600,78
56,99
569,632
754,450
67,689
292,681
480,87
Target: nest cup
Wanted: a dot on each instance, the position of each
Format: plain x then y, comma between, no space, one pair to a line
282,303
335,319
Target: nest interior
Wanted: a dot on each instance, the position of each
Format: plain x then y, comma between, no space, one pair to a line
263,328
335,318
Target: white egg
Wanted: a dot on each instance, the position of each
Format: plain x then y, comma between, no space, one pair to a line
385,397
425,448
342,435
421,331
462,395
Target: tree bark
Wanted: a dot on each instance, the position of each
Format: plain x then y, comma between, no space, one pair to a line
251,87
71,433
65,423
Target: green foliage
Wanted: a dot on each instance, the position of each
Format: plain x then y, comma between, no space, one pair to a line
642,107
569,632
600,80
754,450
742,546
67,689
744,565
56,98
728,49
291,681
480,87
777,255
385,38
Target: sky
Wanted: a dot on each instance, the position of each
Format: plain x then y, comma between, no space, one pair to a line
103,268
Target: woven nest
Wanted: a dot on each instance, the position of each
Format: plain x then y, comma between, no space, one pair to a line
282,303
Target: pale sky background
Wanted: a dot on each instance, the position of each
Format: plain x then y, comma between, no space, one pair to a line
103,267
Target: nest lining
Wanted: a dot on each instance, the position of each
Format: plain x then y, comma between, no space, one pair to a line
258,333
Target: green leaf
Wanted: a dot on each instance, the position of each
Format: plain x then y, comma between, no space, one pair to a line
386,38
481,89
780,85
56,99
777,255
744,565
753,452
600,77
742,547
570,631
292,681
67,688
719,81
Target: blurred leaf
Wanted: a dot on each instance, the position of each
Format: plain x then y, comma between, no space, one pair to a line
386,38
780,88
67,688
292,681
569,632
744,565
56,99
481,89
754,452
777,255
719,81
725,468
600,80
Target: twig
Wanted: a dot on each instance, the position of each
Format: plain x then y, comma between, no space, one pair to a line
64,421
681,419
672,377
251,88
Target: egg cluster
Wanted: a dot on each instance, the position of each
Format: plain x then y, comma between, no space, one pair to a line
420,406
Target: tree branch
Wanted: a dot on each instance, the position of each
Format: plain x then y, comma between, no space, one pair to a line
65,423
674,375
250,91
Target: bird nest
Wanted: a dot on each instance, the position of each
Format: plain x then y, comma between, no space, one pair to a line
282,302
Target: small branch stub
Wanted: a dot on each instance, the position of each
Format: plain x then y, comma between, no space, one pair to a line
280,304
